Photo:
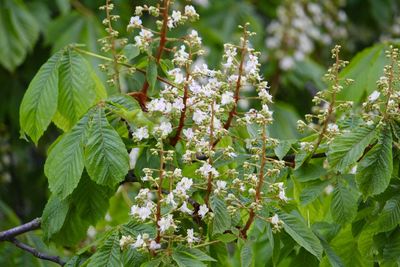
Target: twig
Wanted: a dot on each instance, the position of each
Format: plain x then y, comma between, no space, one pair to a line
21,229
37,253
10,236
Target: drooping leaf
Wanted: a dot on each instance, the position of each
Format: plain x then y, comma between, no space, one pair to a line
40,100
343,205
391,250
312,191
78,89
131,51
389,217
106,158
246,255
184,259
303,235
65,163
109,255
311,171
222,219
19,30
54,215
375,169
346,149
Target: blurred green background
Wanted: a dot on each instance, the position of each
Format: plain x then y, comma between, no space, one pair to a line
294,37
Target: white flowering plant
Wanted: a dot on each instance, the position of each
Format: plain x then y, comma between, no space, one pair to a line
184,177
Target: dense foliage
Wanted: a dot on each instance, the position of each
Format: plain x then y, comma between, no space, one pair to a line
180,145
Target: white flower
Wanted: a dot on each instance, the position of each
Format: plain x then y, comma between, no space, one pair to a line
177,74
329,189
141,133
185,209
333,128
194,38
190,11
142,212
188,133
227,98
125,241
139,242
135,22
133,156
203,210
166,223
199,116
190,236
181,57
353,170
275,220
264,95
144,38
176,17
182,186
221,185
374,96
157,105
252,64
170,200
165,128
154,245
286,63
207,169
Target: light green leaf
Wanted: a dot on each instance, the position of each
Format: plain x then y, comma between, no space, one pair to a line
222,219
131,51
346,149
365,69
246,255
109,255
106,158
65,163
226,238
343,205
389,218
40,100
78,89
303,235
375,169
197,253
283,148
151,73
311,171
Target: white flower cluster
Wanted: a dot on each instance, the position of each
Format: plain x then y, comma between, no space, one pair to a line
300,26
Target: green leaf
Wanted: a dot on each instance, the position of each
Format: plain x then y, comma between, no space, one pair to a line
86,205
303,235
54,215
109,255
151,73
311,171
365,69
346,149
312,191
389,218
185,259
343,205
391,250
65,163
227,238
283,148
246,255
106,158
333,258
20,32
40,100
78,89
197,253
375,169
222,219
131,51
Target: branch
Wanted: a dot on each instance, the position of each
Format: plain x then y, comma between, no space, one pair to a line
37,253
9,235
21,229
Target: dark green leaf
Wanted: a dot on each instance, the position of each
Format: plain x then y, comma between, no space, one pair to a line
151,73
109,255
343,205
246,255
375,169
222,219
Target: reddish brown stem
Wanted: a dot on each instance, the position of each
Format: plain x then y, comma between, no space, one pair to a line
163,39
260,183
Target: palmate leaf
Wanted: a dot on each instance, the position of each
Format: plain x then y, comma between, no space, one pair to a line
346,149
303,235
106,158
109,255
40,100
343,205
19,30
375,169
78,87
65,163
